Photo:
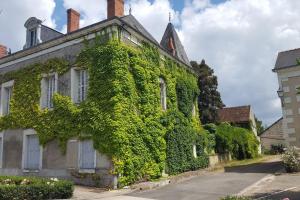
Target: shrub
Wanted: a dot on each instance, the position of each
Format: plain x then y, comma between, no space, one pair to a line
235,198
277,149
291,160
20,188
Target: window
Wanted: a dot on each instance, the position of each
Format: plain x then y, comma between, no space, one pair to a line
195,151
32,151
1,149
32,37
49,87
163,94
87,155
6,95
79,85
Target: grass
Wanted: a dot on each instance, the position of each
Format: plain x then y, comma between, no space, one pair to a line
260,159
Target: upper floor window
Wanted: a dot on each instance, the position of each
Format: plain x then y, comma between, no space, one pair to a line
79,84
32,33
6,95
49,87
163,94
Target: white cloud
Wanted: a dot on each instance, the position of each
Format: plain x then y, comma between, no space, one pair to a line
15,13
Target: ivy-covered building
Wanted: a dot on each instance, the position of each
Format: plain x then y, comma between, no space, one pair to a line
104,104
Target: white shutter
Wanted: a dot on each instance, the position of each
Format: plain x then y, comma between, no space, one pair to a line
83,82
1,151
87,155
33,152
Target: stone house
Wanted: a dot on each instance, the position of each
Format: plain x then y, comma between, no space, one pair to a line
273,135
20,149
287,69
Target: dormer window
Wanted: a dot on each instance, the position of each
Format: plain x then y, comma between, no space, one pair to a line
32,33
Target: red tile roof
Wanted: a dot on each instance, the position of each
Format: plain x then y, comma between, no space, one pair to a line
234,114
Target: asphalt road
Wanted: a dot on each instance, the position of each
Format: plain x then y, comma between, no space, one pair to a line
213,186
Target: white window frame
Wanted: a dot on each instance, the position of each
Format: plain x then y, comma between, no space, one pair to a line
82,170
45,102
26,133
1,150
77,85
6,98
163,94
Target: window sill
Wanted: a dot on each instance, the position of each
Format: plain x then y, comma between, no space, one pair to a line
31,170
87,171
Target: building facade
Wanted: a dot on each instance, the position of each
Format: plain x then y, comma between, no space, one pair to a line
273,135
288,73
21,151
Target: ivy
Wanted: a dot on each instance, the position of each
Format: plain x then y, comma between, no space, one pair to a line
122,113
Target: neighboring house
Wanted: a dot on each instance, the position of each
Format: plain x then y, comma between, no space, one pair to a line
20,150
241,116
288,72
273,135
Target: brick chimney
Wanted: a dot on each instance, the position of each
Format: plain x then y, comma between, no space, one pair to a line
115,8
3,51
73,20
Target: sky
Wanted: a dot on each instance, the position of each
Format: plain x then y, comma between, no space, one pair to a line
239,39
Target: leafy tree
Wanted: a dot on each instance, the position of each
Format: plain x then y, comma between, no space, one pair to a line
209,99
259,126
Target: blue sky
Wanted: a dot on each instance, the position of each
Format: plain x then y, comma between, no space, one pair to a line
59,14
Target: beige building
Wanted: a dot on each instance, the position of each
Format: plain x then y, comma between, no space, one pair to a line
288,71
273,135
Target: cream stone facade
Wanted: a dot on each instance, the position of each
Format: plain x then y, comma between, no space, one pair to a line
273,135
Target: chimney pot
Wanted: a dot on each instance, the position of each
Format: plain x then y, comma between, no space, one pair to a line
3,51
73,20
115,8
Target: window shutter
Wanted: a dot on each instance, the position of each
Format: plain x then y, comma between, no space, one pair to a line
33,152
87,155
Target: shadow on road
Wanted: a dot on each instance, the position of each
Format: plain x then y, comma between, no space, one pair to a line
270,167
292,195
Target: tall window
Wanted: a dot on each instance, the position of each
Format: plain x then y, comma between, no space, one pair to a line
1,149
49,87
32,152
6,95
87,155
79,84
32,37
163,94
83,85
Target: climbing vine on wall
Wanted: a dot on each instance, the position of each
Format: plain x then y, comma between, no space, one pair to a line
122,113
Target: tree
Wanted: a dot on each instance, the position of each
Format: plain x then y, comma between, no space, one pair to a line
259,127
209,100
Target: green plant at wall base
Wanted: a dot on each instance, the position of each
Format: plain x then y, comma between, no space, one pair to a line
122,114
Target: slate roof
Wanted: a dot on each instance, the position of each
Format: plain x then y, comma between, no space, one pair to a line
134,23
239,114
287,59
179,48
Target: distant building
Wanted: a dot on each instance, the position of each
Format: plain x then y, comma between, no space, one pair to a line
273,135
288,71
241,116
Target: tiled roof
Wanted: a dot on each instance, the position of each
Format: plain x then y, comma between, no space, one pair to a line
180,52
234,114
287,59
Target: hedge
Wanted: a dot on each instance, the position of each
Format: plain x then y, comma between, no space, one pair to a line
20,188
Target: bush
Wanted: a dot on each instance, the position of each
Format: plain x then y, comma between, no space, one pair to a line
235,198
291,160
277,149
20,188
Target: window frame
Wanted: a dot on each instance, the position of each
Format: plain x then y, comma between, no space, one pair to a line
77,85
6,97
163,93
83,170
33,37
26,133
45,102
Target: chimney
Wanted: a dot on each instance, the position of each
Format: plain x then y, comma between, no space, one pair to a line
115,8
3,51
73,20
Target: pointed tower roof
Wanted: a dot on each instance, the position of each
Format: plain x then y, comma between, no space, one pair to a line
173,45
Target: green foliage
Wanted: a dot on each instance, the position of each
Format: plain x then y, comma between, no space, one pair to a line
20,188
122,113
240,142
209,99
291,160
259,126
